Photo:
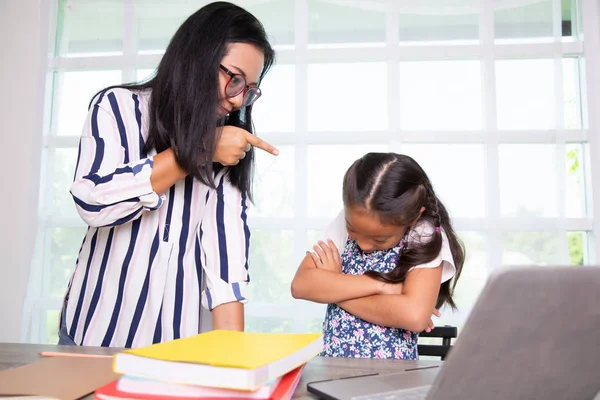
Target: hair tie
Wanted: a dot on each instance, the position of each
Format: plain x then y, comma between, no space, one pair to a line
438,229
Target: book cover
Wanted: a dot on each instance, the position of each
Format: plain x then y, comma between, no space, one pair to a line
221,359
284,390
231,349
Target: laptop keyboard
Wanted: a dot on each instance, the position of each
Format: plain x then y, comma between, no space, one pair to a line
418,393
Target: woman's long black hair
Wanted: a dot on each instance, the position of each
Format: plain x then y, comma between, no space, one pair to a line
185,91
394,187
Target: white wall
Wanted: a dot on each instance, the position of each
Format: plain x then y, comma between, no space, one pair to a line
591,26
23,43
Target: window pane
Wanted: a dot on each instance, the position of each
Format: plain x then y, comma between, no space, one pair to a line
325,184
471,282
353,23
73,96
569,11
575,189
530,248
442,95
578,248
275,111
298,324
277,16
313,236
158,21
475,270
268,324
340,99
315,325
143,74
272,267
274,183
533,22
306,316
51,327
528,180
64,249
572,93
426,25
90,28
457,174
523,23
63,170
525,94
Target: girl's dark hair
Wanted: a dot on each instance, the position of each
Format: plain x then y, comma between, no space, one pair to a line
185,91
394,187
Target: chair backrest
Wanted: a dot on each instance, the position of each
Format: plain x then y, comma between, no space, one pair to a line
446,333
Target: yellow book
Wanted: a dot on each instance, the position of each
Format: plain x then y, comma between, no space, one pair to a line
225,359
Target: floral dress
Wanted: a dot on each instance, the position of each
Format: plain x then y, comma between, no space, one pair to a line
346,335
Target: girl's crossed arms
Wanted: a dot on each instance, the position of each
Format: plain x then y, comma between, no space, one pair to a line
388,262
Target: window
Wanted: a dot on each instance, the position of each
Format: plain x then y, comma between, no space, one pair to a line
489,97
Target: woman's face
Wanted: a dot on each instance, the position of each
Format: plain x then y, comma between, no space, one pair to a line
243,59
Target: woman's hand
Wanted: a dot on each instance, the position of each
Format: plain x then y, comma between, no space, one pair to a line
235,142
327,257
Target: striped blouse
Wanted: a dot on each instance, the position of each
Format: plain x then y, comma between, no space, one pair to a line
148,261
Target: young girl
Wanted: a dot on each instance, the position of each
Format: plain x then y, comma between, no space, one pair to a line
397,256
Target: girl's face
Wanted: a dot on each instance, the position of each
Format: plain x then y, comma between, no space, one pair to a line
368,232
245,61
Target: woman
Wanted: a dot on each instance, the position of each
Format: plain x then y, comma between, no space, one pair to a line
163,178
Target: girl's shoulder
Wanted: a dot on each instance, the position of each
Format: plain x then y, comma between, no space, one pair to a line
336,231
420,235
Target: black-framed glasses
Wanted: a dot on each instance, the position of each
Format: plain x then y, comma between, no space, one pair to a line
237,84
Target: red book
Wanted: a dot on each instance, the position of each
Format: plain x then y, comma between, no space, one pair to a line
284,391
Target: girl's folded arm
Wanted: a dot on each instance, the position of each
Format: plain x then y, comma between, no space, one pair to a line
410,310
323,286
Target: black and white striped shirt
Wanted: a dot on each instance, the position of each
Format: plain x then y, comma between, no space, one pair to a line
147,261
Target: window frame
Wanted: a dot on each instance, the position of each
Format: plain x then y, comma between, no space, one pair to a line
301,55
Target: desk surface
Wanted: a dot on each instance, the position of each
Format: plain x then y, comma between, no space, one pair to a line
320,368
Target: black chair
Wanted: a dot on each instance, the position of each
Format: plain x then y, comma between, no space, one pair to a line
446,333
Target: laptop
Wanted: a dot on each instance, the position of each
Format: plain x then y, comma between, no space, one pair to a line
534,333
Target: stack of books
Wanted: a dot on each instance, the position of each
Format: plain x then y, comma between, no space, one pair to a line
214,365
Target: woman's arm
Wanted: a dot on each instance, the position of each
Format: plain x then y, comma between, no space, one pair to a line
229,316
111,186
410,310
224,239
165,171
231,147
